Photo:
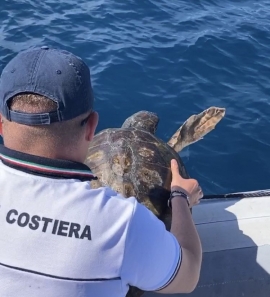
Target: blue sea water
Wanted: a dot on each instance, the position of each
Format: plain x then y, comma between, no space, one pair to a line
174,58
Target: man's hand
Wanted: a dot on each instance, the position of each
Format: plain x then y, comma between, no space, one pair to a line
189,186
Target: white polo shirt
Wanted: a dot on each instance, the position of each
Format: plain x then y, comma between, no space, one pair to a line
60,238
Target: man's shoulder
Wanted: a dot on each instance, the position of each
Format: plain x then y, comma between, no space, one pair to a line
106,197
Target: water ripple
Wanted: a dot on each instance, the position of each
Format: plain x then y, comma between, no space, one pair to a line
174,58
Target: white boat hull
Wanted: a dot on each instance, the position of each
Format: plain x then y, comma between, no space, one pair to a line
235,236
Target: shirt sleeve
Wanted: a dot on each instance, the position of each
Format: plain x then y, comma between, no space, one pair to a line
152,254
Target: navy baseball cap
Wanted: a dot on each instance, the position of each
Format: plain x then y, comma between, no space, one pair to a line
56,74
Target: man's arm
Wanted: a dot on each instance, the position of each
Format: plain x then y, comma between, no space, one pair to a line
186,234
184,230
153,255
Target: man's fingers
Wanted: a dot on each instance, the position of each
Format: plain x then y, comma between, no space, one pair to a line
174,168
200,192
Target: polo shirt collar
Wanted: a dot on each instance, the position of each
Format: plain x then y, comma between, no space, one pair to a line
53,168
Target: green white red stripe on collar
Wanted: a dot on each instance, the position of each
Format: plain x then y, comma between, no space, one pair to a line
54,168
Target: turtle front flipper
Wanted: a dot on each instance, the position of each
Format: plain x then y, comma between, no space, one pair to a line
195,127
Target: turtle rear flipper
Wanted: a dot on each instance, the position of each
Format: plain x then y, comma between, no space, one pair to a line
195,127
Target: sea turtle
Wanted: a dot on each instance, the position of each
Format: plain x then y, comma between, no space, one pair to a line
134,162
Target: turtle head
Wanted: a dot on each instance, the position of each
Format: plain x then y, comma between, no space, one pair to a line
196,127
144,120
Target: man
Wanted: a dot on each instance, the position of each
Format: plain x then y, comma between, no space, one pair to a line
58,236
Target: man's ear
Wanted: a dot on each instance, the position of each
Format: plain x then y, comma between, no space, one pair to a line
91,126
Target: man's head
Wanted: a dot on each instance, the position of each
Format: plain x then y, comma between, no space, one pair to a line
45,94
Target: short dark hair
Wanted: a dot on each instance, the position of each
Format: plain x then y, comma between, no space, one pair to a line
65,133
38,103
